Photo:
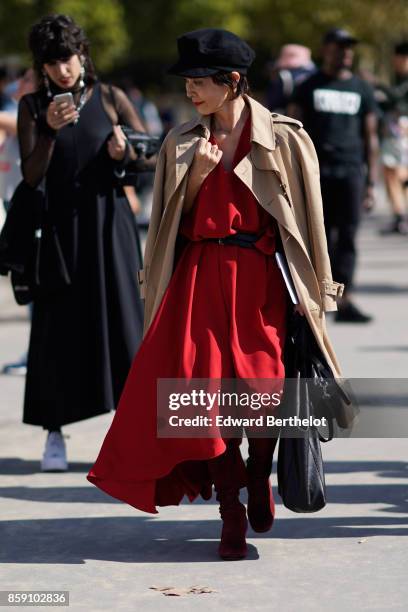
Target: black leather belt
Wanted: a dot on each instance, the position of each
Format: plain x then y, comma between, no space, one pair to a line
239,239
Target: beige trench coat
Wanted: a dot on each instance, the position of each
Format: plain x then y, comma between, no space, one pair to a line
282,171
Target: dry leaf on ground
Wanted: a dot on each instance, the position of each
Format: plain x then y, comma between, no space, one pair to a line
179,591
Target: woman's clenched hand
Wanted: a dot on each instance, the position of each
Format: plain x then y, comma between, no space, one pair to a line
117,144
206,157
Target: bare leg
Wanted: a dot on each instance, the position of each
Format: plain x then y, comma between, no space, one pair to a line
394,179
133,199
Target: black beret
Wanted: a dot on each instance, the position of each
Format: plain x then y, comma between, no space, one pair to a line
211,50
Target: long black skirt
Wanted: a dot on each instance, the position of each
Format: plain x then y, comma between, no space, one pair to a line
84,337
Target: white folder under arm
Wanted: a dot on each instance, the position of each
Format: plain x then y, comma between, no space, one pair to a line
283,266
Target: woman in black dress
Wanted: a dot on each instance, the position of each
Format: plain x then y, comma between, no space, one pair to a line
85,333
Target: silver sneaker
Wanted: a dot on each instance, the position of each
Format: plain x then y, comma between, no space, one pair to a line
55,455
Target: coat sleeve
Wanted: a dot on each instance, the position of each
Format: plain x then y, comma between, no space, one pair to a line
155,218
308,162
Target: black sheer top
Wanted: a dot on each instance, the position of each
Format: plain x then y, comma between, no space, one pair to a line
37,140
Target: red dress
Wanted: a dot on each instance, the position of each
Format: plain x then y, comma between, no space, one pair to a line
222,316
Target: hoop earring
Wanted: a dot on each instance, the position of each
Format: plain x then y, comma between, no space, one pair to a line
82,75
47,84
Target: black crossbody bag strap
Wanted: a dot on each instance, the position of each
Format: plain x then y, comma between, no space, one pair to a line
34,106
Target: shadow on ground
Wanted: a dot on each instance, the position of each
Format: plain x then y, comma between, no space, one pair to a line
150,539
384,348
21,467
147,540
382,289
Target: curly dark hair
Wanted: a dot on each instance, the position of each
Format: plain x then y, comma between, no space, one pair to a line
225,78
58,37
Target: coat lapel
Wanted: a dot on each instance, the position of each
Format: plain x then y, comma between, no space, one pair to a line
271,199
185,149
186,144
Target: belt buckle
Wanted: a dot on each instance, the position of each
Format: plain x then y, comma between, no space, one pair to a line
221,241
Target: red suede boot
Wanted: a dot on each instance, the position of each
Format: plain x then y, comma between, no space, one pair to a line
233,545
228,473
261,505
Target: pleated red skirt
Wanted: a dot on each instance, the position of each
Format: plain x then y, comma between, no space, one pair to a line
223,315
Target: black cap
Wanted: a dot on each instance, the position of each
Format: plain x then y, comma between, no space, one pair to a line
342,37
211,50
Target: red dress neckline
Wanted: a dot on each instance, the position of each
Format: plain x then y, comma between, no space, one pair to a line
243,146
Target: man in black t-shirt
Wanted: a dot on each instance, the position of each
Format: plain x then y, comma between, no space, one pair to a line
339,112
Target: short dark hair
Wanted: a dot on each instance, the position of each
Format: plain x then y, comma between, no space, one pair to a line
58,37
225,78
401,48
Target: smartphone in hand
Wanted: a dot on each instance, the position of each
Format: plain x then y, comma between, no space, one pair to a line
64,97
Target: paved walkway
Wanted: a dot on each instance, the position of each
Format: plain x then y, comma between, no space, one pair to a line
59,532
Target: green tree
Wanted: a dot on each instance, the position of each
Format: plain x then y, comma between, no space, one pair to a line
103,21
378,23
142,33
154,25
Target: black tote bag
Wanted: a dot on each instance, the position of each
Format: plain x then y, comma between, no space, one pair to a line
301,482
